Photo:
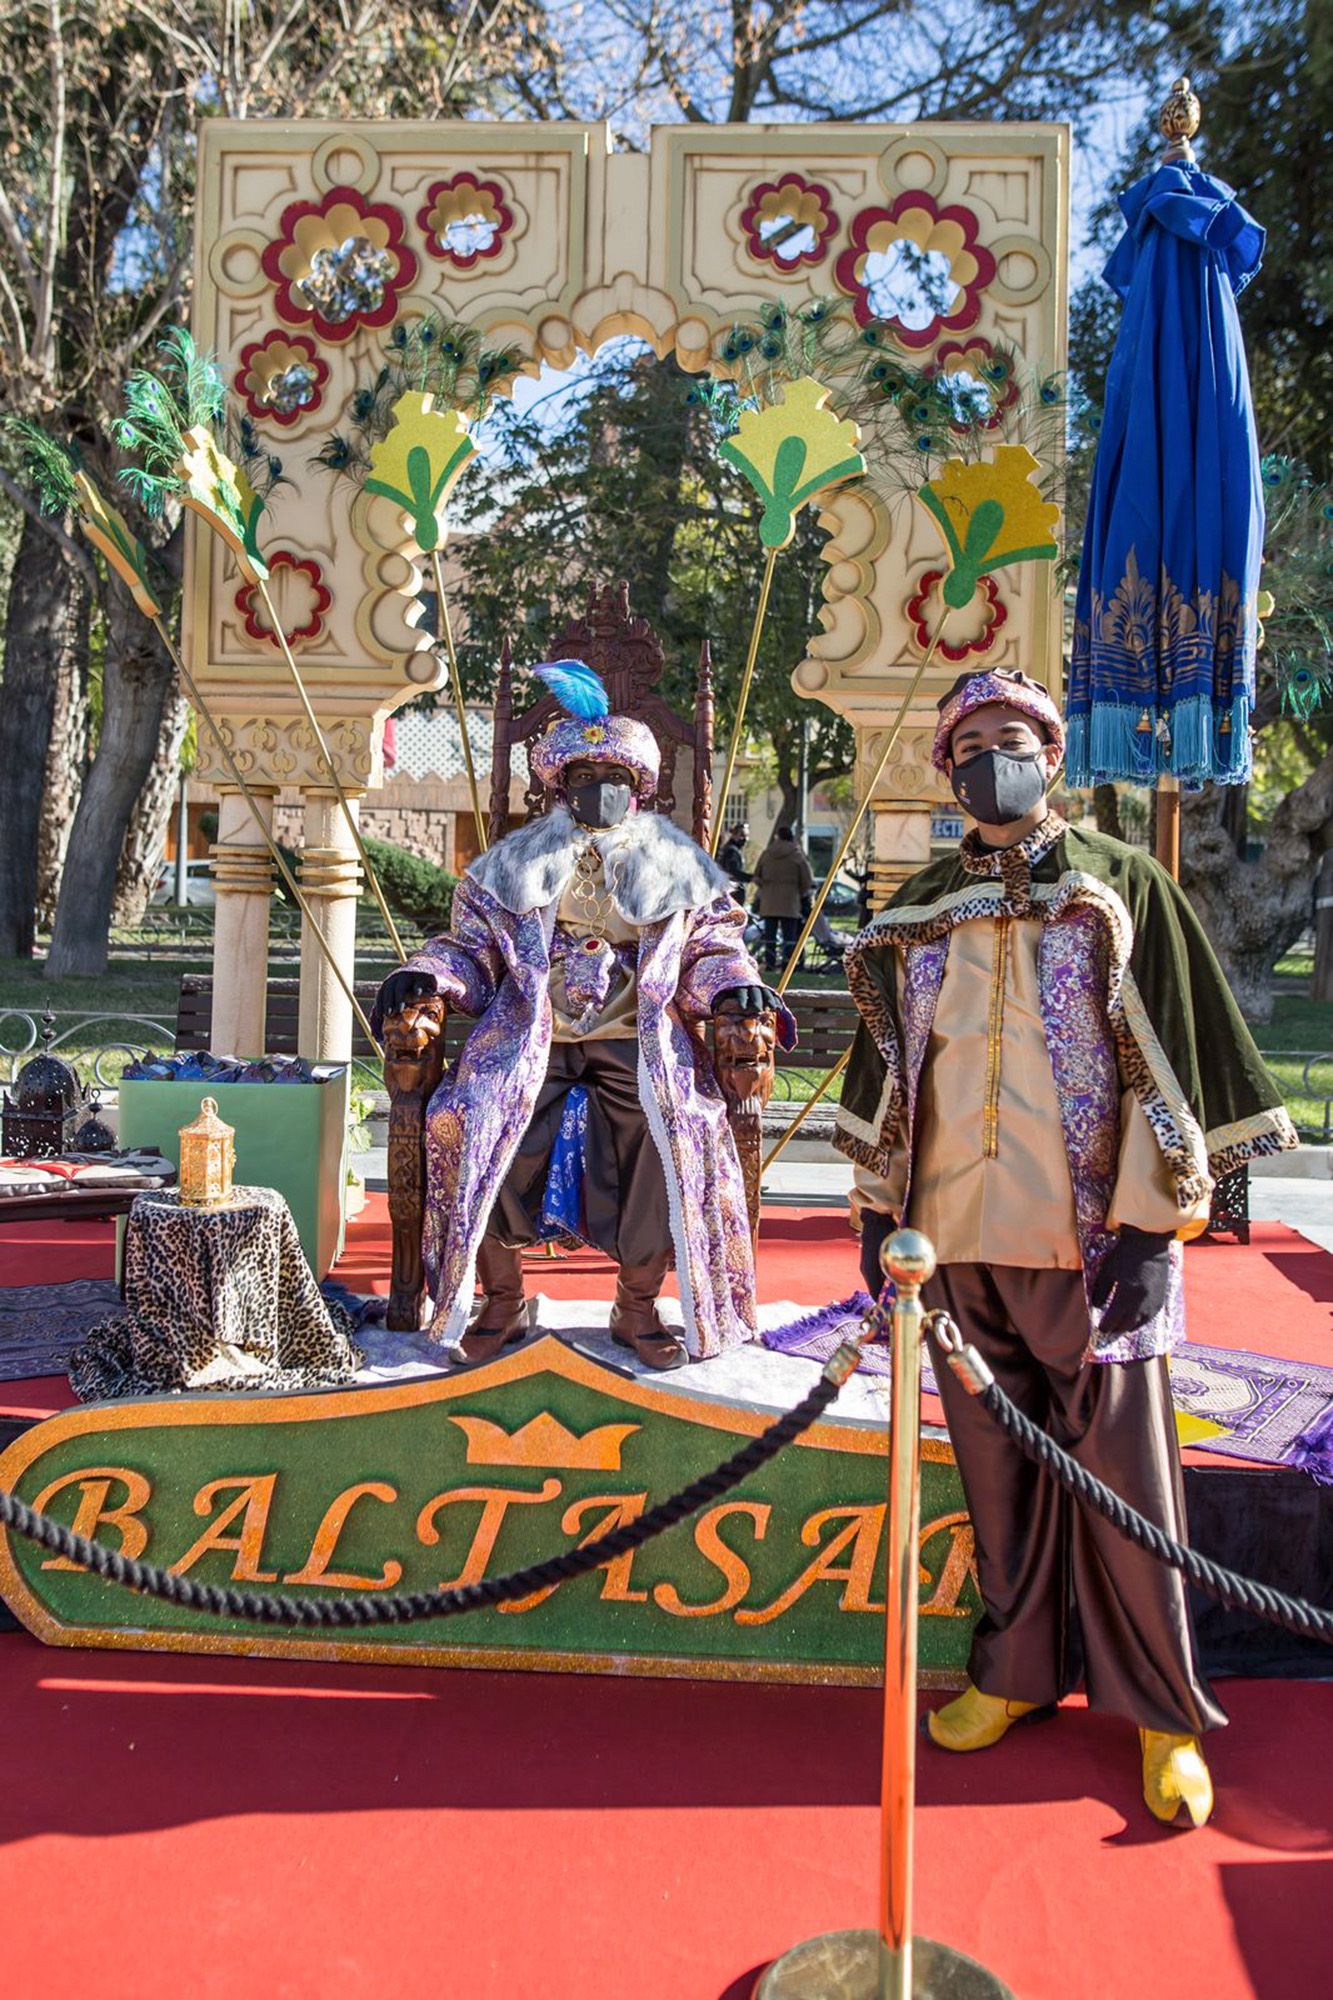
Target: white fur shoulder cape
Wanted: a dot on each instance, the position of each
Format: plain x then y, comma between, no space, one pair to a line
650,867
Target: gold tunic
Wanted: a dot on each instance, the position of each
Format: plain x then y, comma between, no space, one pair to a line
990,1181
586,910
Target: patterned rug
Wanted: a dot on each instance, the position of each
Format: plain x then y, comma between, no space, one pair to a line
1252,1405
40,1325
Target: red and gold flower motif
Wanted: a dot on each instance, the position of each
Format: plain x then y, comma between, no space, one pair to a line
300,597
475,211
339,263
977,357
970,634
281,377
916,218
804,205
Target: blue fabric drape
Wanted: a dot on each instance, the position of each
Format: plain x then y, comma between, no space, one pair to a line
1162,671
562,1200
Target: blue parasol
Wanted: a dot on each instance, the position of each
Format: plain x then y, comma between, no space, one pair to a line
1161,679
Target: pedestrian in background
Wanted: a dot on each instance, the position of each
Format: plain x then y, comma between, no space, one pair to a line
785,885
731,858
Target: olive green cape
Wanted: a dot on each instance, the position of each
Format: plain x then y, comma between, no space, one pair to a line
1180,1039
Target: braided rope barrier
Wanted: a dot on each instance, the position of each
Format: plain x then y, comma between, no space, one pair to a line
1293,1614
339,1612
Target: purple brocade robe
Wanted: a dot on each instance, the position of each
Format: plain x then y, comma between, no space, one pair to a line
494,964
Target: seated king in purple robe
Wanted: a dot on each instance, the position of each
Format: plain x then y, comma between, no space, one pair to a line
590,947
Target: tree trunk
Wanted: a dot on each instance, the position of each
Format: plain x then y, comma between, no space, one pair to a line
43,631
66,764
138,680
1254,911
146,839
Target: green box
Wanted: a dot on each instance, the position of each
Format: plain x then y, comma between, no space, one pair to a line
289,1136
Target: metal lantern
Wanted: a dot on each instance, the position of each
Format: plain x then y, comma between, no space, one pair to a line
208,1155
39,1120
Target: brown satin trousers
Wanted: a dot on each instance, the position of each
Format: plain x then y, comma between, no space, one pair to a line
624,1189
1041,1556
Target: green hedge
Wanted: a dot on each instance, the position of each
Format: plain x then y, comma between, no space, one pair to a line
414,889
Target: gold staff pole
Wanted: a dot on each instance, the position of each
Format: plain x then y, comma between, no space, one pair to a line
826,1083
890,744
451,654
327,757
237,777
888,1963
734,747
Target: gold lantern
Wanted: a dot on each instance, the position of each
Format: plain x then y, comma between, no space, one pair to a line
208,1154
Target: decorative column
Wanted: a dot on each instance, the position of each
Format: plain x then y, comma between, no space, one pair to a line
901,810
329,874
243,872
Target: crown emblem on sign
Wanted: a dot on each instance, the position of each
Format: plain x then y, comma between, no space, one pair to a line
544,1441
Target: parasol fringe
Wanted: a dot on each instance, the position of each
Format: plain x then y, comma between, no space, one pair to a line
1112,741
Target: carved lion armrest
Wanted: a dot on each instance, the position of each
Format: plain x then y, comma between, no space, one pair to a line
745,1060
413,1066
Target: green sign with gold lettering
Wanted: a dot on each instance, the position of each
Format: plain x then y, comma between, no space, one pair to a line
442,1480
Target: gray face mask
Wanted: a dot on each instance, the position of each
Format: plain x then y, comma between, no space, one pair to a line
600,804
999,787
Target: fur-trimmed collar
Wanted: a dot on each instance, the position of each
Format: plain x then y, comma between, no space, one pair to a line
651,868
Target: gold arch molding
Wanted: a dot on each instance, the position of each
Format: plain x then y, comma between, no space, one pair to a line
586,244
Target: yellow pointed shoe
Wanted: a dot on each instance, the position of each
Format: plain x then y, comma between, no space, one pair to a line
1175,1775
973,1721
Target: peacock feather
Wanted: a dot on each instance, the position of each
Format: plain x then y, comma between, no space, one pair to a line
577,688
424,356
48,466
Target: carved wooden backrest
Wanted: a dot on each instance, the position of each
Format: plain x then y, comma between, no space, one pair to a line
628,654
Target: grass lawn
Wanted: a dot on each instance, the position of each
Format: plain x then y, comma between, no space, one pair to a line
1300,1024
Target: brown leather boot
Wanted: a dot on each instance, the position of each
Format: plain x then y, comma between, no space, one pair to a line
503,1318
634,1321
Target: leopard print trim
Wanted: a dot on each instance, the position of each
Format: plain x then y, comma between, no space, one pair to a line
978,859
1267,1132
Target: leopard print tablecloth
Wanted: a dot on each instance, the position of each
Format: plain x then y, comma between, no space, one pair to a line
215,1298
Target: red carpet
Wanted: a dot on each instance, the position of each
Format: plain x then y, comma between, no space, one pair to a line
296,1831
291,1831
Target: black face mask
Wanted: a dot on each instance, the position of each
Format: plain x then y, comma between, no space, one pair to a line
998,786
599,804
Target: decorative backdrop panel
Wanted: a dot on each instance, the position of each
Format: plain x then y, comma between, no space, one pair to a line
313,239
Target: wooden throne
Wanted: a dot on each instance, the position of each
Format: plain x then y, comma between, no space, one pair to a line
628,654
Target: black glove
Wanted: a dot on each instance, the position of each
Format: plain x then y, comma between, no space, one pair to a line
876,1229
1137,1268
750,999
401,988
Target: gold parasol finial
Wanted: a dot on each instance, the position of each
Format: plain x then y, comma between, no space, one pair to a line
1179,119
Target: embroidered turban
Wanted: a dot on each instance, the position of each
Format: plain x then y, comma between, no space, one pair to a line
603,739
996,684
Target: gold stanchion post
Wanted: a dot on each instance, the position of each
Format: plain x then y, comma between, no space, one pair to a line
889,1963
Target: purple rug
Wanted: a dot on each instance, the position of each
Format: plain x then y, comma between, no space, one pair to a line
1273,1412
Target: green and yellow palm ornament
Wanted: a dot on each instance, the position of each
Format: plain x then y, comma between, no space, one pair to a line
991,515
791,450
417,463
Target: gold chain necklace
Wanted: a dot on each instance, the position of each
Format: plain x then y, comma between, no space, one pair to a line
586,892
